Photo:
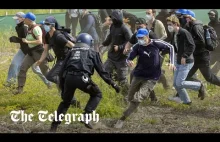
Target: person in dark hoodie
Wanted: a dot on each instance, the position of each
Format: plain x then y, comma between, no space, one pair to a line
87,24
201,54
119,35
215,23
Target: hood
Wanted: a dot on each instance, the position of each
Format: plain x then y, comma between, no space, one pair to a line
163,12
216,15
118,16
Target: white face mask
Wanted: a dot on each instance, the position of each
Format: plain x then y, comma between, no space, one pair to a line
170,29
148,18
141,42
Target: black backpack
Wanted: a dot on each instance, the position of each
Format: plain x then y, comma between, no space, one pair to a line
66,32
98,25
212,42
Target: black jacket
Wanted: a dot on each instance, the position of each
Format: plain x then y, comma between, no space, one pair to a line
197,32
57,42
119,35
85,60
22,30
186,46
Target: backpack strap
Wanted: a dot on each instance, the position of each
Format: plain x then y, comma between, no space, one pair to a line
153,25
31,31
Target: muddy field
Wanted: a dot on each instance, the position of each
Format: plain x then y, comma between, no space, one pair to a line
148,119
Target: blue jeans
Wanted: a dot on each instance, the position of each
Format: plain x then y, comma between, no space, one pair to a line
15,68
181,85
37,70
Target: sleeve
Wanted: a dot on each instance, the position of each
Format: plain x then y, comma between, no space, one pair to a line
37,31
89,22
25,31
190,45
61,40
108,40
133,53
133,39
199,35
100,69
47,36
127,34
162,45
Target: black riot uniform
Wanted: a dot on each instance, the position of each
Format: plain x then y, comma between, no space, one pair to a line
76,73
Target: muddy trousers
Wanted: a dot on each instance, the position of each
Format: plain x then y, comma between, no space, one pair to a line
53,75
214,60
27,63
122,72
139,90
163,78
70,87
152,93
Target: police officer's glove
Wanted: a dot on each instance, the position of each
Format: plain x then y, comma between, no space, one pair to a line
116,87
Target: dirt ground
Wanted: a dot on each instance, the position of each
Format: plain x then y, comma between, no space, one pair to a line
148,119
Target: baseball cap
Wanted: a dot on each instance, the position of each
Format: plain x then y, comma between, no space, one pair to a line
52,21
140,21
30,16
181,11
142,32
211,12
191,13
18,15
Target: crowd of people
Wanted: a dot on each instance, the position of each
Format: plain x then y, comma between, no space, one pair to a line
190,44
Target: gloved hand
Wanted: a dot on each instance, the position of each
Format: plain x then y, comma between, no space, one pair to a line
14,39
116,87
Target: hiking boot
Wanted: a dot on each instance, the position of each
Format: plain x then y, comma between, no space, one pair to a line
119,124
177,95
87,125
49,85
189,103
19,90
7,84
175,99
53,127
153,97
202,92
75,104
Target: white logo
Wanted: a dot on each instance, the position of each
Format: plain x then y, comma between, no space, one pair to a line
85,79
148,54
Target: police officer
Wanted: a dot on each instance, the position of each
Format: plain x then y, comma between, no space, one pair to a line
78,67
